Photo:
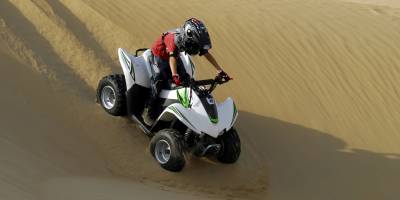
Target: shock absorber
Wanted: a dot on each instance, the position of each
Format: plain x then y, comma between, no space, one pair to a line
188,137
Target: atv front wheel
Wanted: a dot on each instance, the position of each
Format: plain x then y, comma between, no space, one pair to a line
230,147
111,94
167,149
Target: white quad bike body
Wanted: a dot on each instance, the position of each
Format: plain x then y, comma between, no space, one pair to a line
191,115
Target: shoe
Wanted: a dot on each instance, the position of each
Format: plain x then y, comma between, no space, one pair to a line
147,119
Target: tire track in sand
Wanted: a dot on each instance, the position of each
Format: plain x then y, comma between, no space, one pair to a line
32,48
64,43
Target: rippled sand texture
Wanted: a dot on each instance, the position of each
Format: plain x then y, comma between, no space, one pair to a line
315,81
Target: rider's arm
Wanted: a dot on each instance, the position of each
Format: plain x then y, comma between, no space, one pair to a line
214,62
172,65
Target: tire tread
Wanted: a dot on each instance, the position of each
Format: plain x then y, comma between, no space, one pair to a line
231,147
117,81
177,160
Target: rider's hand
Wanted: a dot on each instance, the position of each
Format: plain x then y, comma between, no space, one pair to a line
223,76
176,79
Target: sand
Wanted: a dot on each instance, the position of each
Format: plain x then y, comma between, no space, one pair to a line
315,82
388,3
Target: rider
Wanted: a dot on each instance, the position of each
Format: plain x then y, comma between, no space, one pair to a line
192,38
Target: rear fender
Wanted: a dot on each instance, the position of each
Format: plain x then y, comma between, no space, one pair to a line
135,69
127,67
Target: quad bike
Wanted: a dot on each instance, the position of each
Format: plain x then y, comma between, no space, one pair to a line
189,119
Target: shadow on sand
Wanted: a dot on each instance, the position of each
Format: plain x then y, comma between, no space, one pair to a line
279,160
304,163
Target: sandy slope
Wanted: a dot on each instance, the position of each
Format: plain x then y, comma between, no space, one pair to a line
315,82
46,155
389,3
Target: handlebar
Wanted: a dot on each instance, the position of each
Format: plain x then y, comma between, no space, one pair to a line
140,50
216,80
212,82
204,82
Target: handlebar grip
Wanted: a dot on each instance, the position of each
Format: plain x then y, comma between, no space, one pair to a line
204,82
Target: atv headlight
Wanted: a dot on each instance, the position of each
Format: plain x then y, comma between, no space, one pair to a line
202,87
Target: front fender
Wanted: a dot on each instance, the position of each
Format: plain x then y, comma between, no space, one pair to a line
198,120
176,110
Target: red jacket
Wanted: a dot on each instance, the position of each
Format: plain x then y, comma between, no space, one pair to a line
162,48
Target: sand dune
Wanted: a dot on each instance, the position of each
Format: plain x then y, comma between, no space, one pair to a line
389,3
315,82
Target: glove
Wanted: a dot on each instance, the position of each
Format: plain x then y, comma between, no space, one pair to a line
222,75
176,79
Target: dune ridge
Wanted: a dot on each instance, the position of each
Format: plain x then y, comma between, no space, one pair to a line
315,82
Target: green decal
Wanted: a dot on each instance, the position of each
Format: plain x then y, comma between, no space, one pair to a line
192,66
129,64
234,110
183,97
175,110
234,113
214,120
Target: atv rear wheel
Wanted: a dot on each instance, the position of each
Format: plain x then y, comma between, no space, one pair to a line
167,149
230,147
111,94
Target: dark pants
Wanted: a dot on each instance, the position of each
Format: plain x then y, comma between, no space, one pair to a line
162,80
165,70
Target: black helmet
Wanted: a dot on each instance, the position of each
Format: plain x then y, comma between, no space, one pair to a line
195,36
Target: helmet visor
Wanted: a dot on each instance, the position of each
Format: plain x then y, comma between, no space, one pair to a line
204,41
